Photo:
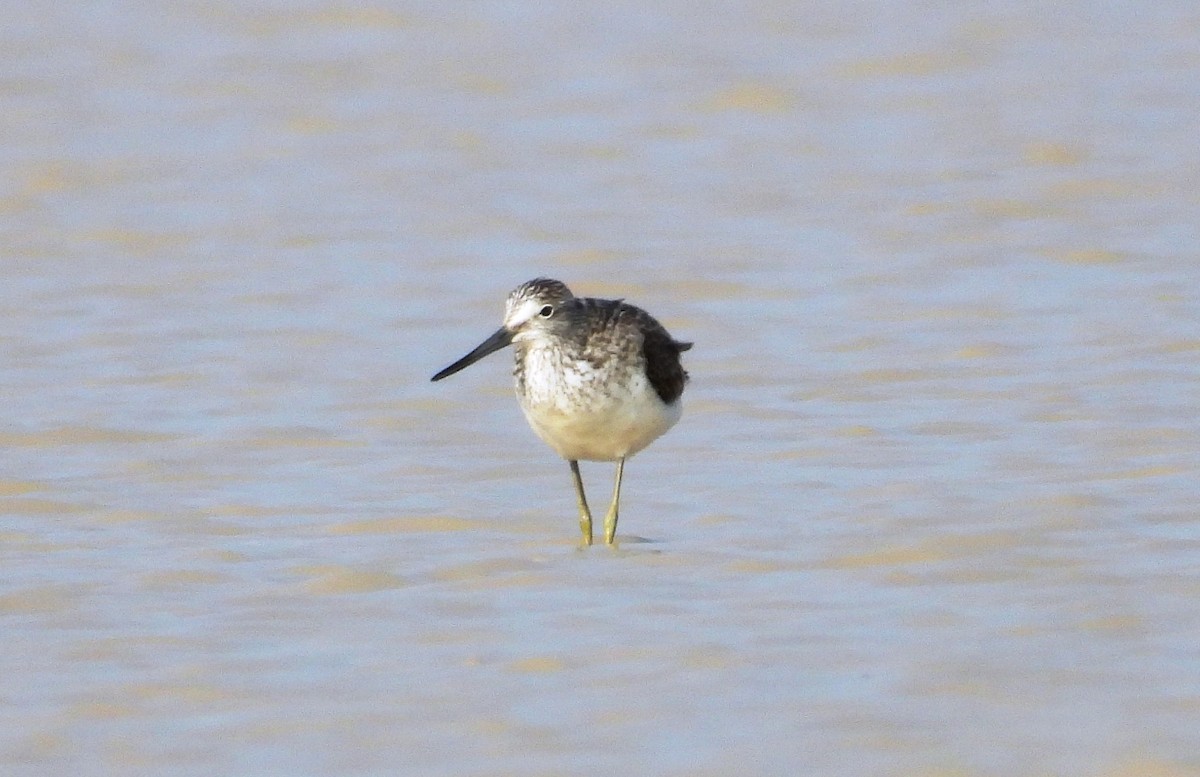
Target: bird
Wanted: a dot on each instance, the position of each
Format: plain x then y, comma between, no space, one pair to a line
597,379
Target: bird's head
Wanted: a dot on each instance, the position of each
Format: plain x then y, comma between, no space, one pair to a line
531,311
534,308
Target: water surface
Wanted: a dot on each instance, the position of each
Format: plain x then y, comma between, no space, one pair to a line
931,508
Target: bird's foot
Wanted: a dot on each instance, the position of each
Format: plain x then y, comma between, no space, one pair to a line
610,529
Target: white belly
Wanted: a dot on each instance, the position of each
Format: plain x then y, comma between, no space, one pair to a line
594,420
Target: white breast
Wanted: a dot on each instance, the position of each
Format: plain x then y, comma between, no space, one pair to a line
589,414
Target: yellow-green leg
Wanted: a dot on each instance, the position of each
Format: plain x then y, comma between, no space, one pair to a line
610,519
585,515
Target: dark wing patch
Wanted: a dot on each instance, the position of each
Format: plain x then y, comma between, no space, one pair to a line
663,368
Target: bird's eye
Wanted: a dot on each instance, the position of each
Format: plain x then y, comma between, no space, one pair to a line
546,311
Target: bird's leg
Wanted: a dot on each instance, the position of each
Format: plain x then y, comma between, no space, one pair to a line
585,515
610,520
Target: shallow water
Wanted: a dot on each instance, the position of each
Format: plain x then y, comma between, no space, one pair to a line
931,507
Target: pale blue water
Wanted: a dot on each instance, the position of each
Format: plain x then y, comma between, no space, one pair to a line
930,510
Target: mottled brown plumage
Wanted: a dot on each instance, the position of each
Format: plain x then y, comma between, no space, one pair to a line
602,331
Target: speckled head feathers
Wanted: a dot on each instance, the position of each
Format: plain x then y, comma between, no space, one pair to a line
538,297
542,288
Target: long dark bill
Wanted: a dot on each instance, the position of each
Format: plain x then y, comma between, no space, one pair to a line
500,338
